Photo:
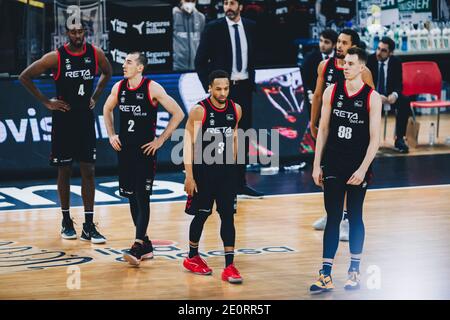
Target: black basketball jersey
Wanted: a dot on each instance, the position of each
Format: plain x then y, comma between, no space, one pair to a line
75,76
332,72
349,123
217,134
137,113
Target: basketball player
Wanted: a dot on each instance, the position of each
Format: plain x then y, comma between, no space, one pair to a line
348,140
138,98
75,65
328,72
211,173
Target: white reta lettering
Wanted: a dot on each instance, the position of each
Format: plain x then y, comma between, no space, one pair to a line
346,114
128,108
85,74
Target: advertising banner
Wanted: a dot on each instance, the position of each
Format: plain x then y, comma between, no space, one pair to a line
25,124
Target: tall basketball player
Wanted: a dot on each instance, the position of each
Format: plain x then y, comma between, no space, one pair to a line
348,140
211,172
328,72
136,144
75,65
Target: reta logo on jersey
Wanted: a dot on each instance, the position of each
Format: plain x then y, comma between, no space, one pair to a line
85,74
228,131
130,108
351,116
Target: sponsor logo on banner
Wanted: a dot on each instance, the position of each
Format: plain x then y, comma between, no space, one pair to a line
119,26
118,56
30,128
157,57
152,27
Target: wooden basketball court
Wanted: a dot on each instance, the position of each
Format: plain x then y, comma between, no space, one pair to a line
406,252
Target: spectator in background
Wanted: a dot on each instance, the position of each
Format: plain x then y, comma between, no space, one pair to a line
188,24
387,75
327,45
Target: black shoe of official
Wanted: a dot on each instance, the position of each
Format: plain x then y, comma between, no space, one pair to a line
67,230
147,249
90,233
134,255
401,146
247,192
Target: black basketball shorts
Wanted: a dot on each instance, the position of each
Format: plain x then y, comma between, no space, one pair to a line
73,137
136,171
217,184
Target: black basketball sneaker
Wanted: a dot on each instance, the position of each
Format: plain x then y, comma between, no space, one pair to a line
147,249
90,233
67,230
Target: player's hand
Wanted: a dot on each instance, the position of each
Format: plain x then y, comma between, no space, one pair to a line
190,186
357,177
55,104
92,104
151,147
115,142
318,176
391,99
384,99
314,130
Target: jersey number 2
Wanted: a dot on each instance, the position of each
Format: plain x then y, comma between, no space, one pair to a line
130,125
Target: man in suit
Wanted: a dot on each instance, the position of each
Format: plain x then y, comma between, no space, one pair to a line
387,74
228,44
327,45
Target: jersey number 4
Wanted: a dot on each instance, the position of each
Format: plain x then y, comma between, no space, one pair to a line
81,90
345,132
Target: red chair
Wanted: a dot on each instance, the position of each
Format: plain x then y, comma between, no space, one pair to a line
423,77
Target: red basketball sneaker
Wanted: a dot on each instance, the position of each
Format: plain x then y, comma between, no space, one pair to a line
197,265
231,274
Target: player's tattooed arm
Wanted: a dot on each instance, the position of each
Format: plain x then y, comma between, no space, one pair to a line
48,62
106,69
159,95
191,131
108,117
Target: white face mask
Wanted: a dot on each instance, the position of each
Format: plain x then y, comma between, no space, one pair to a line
188,6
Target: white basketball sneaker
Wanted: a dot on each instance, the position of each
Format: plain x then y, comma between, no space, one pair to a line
320,223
